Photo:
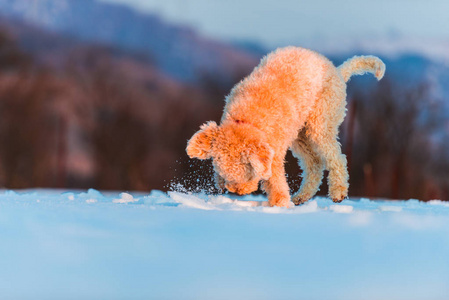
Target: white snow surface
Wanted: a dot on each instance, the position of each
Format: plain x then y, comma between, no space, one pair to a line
92,245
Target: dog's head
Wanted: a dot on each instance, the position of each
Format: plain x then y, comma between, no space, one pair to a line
239,154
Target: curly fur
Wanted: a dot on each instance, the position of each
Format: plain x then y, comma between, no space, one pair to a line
294,99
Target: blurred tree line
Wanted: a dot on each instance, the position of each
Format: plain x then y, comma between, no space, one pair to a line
394,139
111,121
98,120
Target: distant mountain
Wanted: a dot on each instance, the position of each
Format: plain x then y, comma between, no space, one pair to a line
392,45
177,50
250,46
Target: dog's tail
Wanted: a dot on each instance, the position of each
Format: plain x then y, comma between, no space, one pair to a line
359,65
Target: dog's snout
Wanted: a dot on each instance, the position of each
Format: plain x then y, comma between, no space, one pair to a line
242,188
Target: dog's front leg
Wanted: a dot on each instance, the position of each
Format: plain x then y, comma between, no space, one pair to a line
277,187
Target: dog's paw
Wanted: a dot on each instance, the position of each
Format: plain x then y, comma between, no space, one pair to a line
279,200
338,193
339,200
300,199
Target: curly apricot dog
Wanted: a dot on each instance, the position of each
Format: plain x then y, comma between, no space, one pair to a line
295,98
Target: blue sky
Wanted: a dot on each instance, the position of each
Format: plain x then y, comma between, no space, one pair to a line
286,21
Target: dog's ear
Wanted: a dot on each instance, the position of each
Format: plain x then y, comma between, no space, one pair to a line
200,145
261,159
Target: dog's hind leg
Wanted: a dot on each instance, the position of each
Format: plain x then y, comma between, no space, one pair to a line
312,166
336,163
322,130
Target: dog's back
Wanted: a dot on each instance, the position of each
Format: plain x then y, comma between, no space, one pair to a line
280,93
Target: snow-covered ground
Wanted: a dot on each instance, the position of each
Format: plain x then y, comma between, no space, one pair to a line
89,245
